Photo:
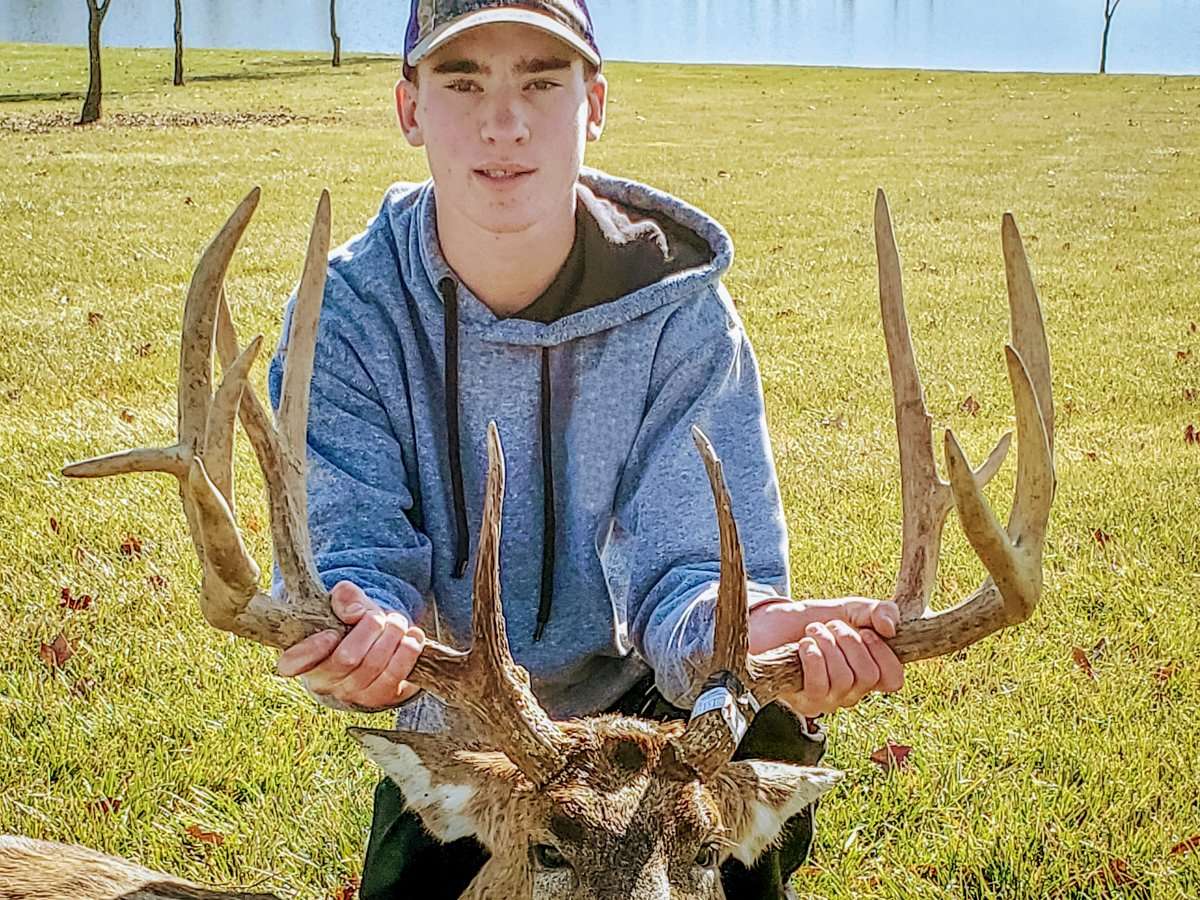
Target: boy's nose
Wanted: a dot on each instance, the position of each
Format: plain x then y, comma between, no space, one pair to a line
504,124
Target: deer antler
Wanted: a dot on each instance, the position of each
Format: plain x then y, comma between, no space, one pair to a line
1012,556
485,681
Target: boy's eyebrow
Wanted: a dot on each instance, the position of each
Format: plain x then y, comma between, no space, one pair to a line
541,64
530,66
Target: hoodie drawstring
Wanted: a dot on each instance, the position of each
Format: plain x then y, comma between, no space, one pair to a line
454,441
548,523
449,292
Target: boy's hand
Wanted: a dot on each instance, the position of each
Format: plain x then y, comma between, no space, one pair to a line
367,666
841,648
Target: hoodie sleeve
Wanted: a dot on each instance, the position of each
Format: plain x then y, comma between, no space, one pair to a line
360,506
662,556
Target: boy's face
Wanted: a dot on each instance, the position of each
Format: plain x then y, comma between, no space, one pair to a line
504,112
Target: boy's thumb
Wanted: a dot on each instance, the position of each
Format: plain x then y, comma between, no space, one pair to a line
349,602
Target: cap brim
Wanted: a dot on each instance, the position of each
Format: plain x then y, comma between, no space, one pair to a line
441,36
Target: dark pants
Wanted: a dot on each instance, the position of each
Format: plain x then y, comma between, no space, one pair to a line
404,860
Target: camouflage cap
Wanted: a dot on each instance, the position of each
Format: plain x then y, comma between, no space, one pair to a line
434,22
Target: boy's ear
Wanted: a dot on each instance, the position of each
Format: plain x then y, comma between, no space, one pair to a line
597,97
456,793
406,112
760,796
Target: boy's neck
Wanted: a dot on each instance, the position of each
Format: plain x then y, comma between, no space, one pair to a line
507,272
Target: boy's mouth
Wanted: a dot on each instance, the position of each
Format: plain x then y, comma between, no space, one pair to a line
503,174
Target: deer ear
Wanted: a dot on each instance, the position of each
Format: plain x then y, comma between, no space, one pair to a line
762,795
452,790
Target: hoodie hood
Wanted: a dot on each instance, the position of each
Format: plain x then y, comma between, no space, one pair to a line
600,193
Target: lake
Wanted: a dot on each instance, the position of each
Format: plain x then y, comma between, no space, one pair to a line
1155,36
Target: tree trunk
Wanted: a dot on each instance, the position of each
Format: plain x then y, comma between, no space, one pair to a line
337,41
178,42
91,103
1109,12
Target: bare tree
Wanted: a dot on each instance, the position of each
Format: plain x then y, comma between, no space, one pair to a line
91,103
337,41
178,42
1110,10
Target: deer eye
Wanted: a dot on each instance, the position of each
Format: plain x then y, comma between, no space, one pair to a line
549,857
708,856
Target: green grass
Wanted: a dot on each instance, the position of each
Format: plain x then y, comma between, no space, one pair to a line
1027,778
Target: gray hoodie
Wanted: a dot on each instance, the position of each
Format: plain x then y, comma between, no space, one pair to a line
611,533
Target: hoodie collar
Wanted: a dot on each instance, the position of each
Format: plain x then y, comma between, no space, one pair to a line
638,199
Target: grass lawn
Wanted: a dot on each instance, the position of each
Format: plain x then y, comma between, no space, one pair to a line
165,741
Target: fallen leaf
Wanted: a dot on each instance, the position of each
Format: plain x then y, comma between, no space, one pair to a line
187,201
1098,649
127,416
57,652
205,837
105,805
1101,537
1193,327
347,890
1114,873
1091,455
94,318
1186,846
1084,662
1163,674
1189,394
131,545
891,756
156,581
71,602
1183,355
1191,435
54,526
970,406
721,173
142,349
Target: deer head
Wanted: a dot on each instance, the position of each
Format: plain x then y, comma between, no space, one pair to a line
610,806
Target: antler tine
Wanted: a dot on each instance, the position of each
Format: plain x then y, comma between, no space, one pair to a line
715,729
925,498
1028,329
488,683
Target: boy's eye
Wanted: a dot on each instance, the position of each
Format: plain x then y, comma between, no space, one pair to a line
463,86
543,85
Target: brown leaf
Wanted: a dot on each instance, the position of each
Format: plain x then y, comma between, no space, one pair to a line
142,350
1193,327
105,805
1101,537
71,602
131,545
156,581
1190,394
1190,844
94,318
1163,674
970,406
1114,873
127,416
205,837
1183,355
891,756
187,201
347,890
1191,435
54,526
1084,662
57,652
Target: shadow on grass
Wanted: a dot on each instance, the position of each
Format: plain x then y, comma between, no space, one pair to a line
41,95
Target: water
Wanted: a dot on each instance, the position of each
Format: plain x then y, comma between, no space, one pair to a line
1159,36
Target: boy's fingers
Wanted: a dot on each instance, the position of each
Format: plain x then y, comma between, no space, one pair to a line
884,618
864,671
891,670
815,695
376,660
390,687
841,676
308,654
349,653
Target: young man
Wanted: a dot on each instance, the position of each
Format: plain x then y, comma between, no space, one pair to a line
584,314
